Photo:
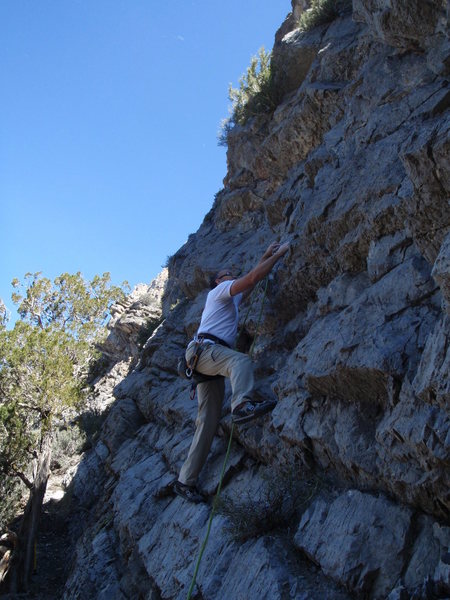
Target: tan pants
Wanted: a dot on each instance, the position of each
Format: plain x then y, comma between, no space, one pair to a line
214,360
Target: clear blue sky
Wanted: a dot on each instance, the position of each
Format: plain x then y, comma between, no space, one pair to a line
108,127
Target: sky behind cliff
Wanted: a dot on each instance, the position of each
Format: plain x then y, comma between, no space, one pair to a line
109,118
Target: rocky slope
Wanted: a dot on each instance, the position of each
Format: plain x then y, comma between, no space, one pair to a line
352,168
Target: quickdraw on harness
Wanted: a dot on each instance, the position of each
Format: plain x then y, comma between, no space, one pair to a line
219,487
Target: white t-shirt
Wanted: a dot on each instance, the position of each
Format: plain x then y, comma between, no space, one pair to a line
221,313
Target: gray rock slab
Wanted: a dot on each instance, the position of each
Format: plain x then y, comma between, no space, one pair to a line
425,157
399,22
100,576
168,546
441,271
366,340
123,420
358,539
432,381
413,443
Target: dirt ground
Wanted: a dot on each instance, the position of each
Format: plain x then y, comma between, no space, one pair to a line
54,550
53,554
56,540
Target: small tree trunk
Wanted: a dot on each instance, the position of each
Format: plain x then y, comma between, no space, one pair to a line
32,514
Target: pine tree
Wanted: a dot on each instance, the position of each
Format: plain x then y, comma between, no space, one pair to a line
44,361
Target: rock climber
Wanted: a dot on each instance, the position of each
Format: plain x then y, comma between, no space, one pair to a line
213,345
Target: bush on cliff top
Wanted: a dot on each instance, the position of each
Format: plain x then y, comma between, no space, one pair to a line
323,11
256,94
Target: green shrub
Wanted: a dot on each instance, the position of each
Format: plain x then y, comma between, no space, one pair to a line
256,94
282,497
90,424
67,442
323,11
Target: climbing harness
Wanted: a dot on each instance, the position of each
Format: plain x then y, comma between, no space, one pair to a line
187,370
219,487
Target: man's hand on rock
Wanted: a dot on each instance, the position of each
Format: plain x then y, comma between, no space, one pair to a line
271,250
276,248
282,249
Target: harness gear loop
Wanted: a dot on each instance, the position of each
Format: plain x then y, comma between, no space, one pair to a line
219,487
194,360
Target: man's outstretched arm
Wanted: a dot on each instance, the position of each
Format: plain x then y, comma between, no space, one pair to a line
271,256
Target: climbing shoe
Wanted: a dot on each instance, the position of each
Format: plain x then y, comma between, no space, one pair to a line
188,492
251,410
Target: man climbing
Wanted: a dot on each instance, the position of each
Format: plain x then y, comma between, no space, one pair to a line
213,345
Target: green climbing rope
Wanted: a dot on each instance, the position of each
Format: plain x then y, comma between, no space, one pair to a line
224,466
213,510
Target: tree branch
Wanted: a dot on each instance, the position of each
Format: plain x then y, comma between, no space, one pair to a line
29,407
23,477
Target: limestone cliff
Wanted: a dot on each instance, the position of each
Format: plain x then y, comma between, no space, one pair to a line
352,168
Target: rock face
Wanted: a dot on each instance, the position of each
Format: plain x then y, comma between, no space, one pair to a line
353,169
130,319
132,322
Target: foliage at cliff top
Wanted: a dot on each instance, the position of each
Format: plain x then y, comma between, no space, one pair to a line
323,11
256,94
44,361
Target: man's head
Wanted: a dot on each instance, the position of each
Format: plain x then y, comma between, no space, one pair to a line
222,275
